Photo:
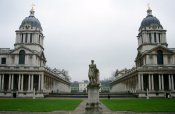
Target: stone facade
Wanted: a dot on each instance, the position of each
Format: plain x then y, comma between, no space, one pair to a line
155,64
23,69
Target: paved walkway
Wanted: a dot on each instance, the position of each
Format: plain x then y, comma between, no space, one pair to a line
81,108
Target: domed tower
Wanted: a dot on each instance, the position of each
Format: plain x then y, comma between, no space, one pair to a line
30,34
151,33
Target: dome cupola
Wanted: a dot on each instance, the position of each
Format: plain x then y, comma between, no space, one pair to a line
150,20
30,34
151,33
31,21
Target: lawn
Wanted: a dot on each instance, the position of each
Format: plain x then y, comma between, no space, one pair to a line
38,105
141,105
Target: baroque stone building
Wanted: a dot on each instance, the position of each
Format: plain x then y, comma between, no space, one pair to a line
155,63
23,69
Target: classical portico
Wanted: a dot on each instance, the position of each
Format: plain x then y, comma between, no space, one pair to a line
156,82
23,70
23,83
154,73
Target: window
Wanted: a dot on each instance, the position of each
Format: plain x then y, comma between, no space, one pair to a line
159,57
22,38
26,38
39,39
3,61
22,57
150,37
30,37
155,40
159,38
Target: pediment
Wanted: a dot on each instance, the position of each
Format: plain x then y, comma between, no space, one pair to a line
17,50
162,48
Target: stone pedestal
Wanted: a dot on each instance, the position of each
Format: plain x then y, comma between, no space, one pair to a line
93,104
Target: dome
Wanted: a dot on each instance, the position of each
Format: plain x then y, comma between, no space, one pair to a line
149,20
31,20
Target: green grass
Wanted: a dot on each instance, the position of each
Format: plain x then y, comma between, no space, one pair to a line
38,105
141,105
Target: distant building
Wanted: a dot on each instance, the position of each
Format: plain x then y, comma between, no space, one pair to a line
75,87
104,86
23,69
155,63
83,86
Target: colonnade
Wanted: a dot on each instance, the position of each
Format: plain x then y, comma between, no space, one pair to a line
131,83
21,80
49,82
162,81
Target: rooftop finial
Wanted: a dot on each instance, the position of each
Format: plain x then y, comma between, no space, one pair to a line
33,5
32,11
149,11
149,8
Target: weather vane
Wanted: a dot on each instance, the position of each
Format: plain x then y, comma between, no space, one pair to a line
149,8
33,5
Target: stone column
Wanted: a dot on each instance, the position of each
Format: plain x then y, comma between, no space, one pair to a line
152,81
19,82
139,88
12,81
172,81
32,83
9,87
29,82
42,81
48,79
0,82
39,82
22,82
149,80
160,82
169,79
142,87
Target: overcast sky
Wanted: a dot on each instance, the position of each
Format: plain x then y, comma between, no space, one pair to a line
77,31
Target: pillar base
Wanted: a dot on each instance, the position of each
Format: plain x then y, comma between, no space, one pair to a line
93,105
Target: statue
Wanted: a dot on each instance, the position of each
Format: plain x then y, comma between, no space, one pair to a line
93,74
93,105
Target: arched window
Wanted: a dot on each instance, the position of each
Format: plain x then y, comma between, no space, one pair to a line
22,57
159,57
